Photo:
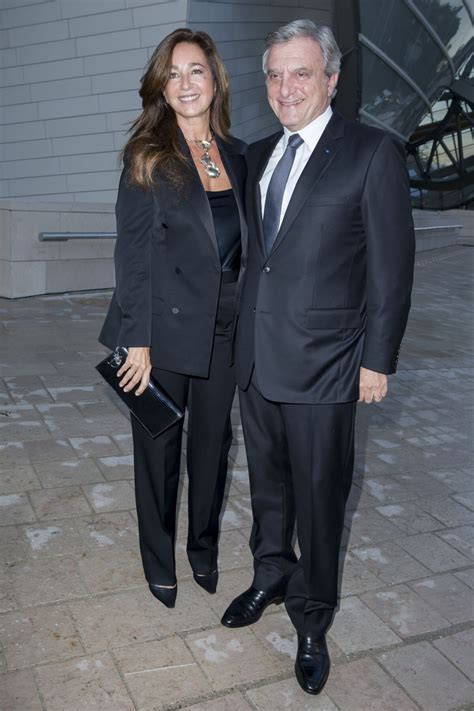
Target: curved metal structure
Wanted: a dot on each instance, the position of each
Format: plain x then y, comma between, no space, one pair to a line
416,80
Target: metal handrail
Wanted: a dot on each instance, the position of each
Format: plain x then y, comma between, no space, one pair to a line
65,236
439,227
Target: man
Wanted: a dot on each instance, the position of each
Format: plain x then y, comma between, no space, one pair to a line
322,314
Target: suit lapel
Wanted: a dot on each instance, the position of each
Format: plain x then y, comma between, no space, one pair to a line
197,199
260,163
319,161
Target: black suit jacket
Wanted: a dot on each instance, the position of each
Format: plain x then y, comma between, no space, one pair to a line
334,293
168,269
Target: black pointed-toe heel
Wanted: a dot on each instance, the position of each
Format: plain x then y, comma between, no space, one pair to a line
208,582
165,595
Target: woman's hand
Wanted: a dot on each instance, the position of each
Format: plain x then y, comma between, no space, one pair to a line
136,369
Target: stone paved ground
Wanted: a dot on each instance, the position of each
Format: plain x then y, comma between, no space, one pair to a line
80,630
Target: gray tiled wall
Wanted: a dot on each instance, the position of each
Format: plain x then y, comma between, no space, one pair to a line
69,73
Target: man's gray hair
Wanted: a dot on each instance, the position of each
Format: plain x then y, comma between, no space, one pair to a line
321,34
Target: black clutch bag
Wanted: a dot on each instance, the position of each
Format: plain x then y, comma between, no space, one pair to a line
154,409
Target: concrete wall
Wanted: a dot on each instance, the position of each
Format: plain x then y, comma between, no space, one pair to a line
69,73
28,266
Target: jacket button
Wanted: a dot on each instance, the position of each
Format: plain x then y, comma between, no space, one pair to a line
266,269
175,310
177,270
254,310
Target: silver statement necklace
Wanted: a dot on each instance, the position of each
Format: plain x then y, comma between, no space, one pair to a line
210,168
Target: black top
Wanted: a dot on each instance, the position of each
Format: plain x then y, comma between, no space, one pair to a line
227,226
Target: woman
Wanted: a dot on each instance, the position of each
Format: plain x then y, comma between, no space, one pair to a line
180,224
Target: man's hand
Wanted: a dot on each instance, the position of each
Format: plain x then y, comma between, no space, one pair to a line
136,369
372,386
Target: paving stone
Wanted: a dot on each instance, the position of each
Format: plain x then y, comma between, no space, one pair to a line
363,686
110,569
49,450
59,410
410,518
7,600
68,473
89,683
390,563
428,677
38,635
461,538
18,479
356,577
46,580
449,512
240,479
449,595
386,490
98,446
370,527
16,508
101,531
421,484
117,467
466,499
59,502
405,612
232,517
162,673
459,649
19,692
120,619
110,496
23,430
238,454
12,546
454,479
287,696
357,629
467,576
228,656
13,454
230,702
124,442
433,552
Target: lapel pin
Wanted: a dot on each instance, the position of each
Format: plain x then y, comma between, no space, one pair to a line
327,151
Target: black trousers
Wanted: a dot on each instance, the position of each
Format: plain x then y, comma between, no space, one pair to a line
157,461
300,466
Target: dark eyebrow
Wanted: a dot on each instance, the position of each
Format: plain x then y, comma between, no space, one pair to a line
191,64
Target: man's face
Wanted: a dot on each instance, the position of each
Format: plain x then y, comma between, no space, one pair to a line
297,87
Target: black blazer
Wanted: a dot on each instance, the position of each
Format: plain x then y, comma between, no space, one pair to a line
334,293
168,270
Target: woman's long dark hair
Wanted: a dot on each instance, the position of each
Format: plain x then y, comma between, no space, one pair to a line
154,142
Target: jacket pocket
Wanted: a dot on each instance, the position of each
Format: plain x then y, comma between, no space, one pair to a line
333,318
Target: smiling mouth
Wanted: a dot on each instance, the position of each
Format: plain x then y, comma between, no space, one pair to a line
291,103
189,99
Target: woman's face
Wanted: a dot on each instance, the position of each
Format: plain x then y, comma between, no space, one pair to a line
190,88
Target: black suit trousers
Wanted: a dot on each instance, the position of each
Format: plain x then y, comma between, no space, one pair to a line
300,459
157,461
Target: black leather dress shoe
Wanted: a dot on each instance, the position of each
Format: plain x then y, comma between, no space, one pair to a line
248,607
208,582
312,663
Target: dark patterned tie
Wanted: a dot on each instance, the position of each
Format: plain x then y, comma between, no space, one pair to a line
276,188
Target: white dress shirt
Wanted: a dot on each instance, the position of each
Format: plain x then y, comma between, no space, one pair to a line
310,135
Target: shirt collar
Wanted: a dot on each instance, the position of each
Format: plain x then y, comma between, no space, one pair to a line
313,131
